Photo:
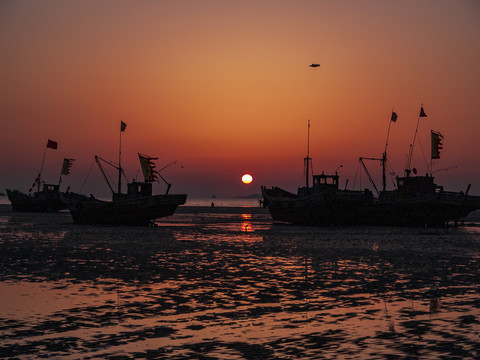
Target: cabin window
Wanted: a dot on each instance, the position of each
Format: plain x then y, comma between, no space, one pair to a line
328,181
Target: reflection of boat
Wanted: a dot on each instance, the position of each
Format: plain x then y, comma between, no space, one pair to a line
416,201
46,199
137,207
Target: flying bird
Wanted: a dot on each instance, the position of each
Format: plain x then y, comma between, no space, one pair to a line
314,65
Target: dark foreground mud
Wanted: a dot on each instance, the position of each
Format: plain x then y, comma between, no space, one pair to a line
233,286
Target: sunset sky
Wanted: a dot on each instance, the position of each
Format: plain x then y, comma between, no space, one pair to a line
224,87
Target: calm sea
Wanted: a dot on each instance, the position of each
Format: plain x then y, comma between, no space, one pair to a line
236,286
233,202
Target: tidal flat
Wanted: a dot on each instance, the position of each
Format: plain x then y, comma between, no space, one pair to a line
234,285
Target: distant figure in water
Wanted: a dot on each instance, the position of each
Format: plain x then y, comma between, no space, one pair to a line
213,204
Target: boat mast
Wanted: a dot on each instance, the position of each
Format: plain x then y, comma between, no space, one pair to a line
307,160
41,168
52,145
97,158
410,154
122,129
393,118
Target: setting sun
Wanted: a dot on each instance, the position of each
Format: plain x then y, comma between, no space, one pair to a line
247,179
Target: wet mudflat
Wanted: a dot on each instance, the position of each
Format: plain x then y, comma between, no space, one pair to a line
236,286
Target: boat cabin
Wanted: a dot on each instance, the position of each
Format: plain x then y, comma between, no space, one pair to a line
135,189
323,182
320,183
415,185
139,189
50,188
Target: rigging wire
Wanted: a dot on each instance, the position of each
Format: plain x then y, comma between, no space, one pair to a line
423,154
302,179
359,174
392,174
88,174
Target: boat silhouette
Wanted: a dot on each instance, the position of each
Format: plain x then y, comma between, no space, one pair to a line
416,200
46,198
136,207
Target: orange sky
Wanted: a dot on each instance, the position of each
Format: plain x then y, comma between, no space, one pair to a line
224,88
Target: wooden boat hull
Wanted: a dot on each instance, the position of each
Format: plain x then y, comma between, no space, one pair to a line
343,208
325,208
139,211
427,210
38,202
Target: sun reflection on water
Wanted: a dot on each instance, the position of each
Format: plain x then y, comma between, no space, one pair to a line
247,223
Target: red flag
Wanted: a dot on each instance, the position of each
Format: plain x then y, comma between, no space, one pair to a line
394,116
123,126
422,113
52,144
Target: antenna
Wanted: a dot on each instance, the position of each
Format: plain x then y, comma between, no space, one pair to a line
307,159
120,160
308,139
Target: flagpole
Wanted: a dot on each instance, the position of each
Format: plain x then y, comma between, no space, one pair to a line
388,132
431,154
412,146
41,169
431,161
409,162
120,162
384,157
393,118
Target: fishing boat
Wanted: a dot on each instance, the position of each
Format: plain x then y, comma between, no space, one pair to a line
45,200
323,203
136,207
415,201
47,196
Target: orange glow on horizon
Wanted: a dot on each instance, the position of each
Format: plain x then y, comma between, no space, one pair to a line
225,86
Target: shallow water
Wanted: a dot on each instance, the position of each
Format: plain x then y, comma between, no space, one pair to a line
232,286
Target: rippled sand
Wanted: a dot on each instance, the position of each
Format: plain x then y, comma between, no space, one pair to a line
236,286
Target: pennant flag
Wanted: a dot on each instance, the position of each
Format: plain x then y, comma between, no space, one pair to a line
123,126
422,113
394,116
437,144
148,167
67,164
52,144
